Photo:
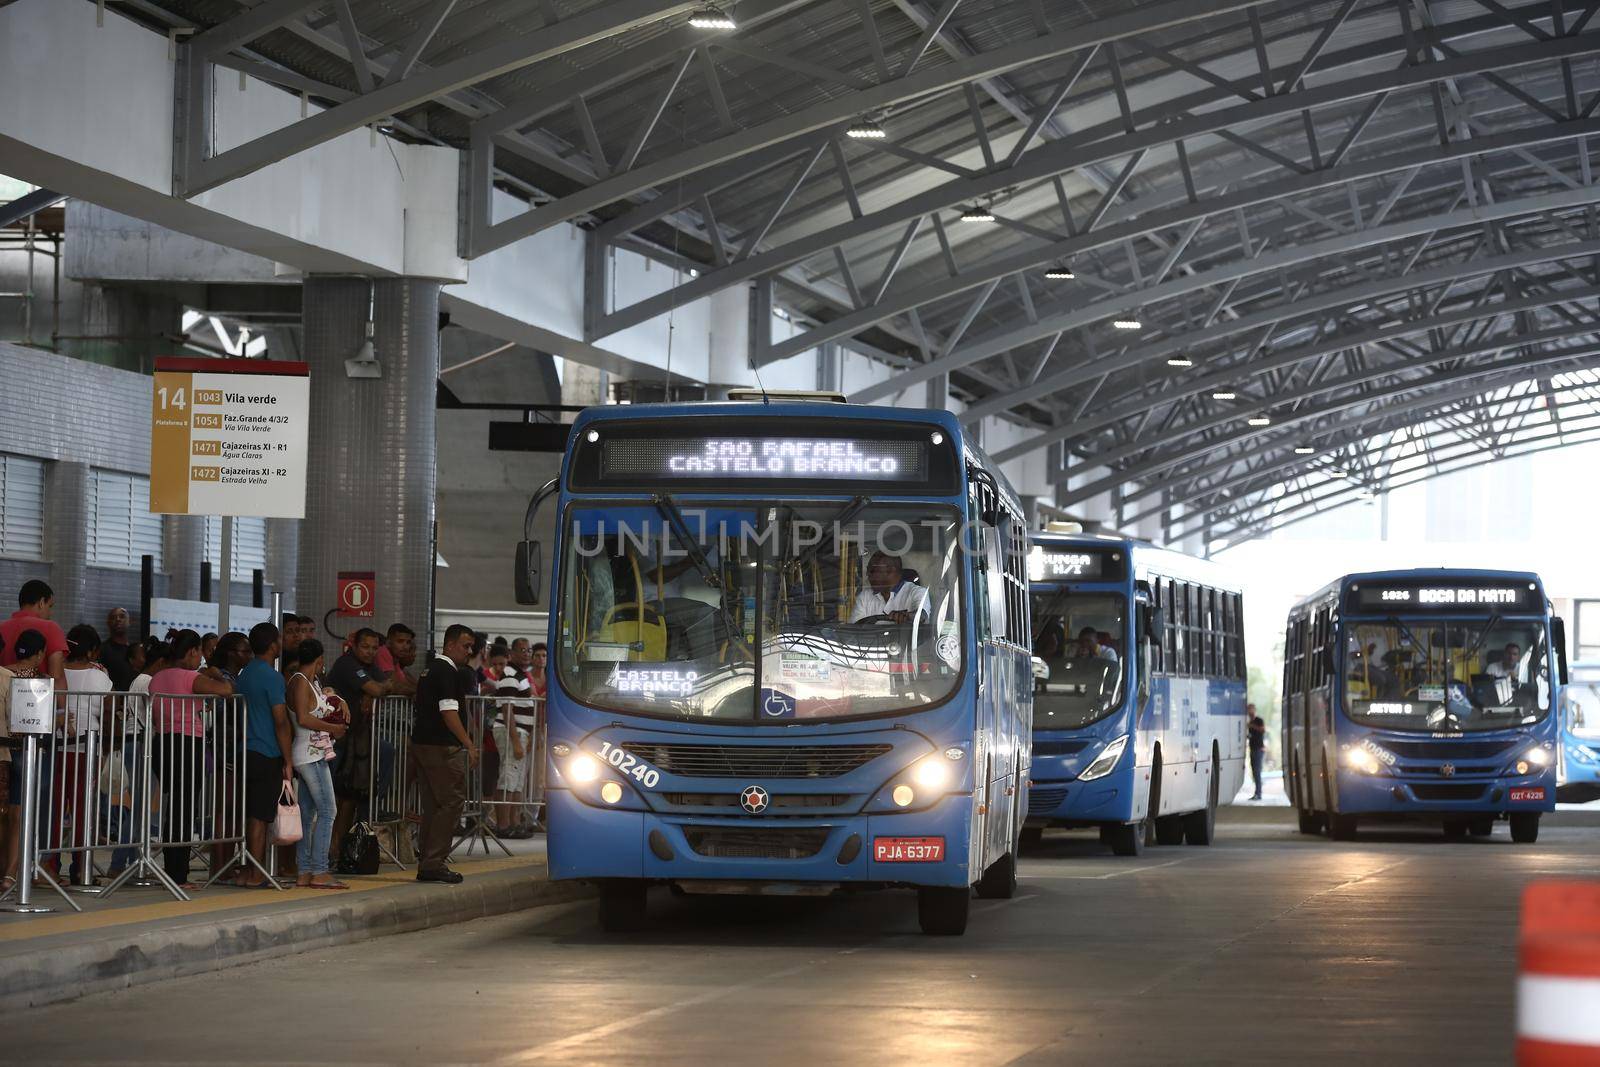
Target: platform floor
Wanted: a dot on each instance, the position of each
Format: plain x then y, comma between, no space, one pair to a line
1398,947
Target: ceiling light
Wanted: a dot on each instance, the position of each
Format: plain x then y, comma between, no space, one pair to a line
1258,420
1224,395
1304,450
976,213
1179,361
866,130
710,18
1059,274
1127,324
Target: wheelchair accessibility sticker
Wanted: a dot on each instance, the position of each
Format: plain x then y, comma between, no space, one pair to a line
776,704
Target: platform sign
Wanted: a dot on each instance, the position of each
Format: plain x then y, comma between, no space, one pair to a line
33,705
228,437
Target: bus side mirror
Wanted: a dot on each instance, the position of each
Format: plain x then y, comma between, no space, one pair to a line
1327,659
1155,623
1558,632
529,566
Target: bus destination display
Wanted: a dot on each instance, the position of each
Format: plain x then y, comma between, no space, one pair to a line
1500,596
1069,564
765,457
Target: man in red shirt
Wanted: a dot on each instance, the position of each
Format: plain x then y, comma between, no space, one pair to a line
35,602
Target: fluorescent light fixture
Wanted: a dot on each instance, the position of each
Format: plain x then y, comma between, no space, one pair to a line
866,130
1127,324
1179,361
710,18
1223,394
1059,274
1258,420
976,213
1304,450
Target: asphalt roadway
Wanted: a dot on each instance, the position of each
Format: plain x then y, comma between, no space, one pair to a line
1398,947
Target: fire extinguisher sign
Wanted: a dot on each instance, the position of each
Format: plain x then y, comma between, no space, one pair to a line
357,592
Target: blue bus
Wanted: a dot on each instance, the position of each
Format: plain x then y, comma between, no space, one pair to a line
788,656
1139,725
1578,769
1423,695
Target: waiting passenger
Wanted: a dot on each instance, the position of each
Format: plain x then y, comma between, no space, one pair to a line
888,593
1089,646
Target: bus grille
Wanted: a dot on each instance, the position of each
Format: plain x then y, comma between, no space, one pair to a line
731,800
1448,791
759,844
1449,750
1059,748
756,761
1045,801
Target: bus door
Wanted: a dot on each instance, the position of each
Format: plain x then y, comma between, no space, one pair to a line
1320,748
1294,710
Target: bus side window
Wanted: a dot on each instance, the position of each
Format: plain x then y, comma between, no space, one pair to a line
1213,634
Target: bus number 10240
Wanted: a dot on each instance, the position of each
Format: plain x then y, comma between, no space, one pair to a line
628,763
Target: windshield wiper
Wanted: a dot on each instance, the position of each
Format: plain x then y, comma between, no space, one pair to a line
680,530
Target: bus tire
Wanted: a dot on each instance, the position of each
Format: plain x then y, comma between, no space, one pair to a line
1455,828
1524,827
1200,827
1341,827
999,882
942,910
1310,821
1032,837
622,904
1169,830
1482,826
1125,838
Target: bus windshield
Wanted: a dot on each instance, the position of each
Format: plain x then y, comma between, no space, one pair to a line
1446,677
762,612
1581,698
1078,670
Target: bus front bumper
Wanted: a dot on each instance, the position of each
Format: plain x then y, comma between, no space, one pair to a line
1362,794
894,848
1077,803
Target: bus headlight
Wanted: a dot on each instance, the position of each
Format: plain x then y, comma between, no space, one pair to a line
904,795
1105,762
583,768
1539,755
931,773
611,792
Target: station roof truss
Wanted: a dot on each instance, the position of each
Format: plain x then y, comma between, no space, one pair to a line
1355,234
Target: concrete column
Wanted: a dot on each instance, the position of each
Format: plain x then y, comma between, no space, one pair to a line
183,549
371,480
283,556
939,392
66,526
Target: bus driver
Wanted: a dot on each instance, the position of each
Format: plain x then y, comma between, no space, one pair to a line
888,593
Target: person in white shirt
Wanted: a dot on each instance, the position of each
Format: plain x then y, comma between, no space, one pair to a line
1089,646
888,593
1510,665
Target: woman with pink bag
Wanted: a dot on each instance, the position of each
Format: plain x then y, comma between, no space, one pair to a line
309,709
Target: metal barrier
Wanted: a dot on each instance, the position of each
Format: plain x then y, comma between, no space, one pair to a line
489,791
129,786
391,793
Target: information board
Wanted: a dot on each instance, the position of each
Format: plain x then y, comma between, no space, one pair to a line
32,705
228,437
1067,563
765,457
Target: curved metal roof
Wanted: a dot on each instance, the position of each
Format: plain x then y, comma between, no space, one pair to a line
1368,225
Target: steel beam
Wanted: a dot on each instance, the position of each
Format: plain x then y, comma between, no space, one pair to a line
615,17
28,204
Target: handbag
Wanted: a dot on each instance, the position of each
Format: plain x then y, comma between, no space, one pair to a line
358,852
286,829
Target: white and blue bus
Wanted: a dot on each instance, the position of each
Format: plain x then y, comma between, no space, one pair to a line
1139,725
1578,770
788,656
1423,695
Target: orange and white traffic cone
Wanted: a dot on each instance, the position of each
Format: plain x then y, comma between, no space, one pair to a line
1558,981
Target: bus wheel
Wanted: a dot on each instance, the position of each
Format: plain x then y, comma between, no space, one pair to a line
1481,827
1525,827
1169,830
622,904
1200,827
942,910
999,882
1310,821
1032,836
1341,827
1455,828
1125,838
